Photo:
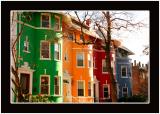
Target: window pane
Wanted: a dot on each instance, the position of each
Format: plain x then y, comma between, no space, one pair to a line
57,22
104,66
80,60
106,94
80,88
57,85
57,51
44,85
45,49
45,21
123,71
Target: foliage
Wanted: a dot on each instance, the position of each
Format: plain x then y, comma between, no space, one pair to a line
134,98
38,98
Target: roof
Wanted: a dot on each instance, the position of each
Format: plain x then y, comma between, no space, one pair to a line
126,49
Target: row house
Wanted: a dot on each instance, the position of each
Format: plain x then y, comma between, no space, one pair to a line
39,53
139,79
77,64
123,72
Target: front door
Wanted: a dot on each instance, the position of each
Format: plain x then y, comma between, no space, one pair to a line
65,91
24,81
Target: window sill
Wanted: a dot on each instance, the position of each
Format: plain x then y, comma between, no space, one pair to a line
57,60
26,51
45,58
80,66
125,77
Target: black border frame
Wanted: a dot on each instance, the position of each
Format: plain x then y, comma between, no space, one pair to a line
152,6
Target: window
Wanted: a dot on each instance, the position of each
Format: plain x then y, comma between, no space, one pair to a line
125,91
26,45
89,89
57,85
80,59
70,36
104,68
105,91
89,61
123,71
45,20
57,51
81,37
45,50
44,85
57,23
80,88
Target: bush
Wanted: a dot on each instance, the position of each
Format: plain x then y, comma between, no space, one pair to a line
134,98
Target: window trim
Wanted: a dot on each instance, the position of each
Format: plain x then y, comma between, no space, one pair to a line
26,41
58,17
108,90
122,91
49,50
44,75
59,49
77,60
83,88
48,14
126,71
103,60
59,85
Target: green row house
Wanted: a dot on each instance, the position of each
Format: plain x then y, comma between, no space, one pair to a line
39,53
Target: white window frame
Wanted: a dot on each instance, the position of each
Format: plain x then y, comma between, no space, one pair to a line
26,42
59,78
103,60
59,49
57,17
46,14
77,60
123,92
108,90
83,88
89,56
122,66
48,83
49,50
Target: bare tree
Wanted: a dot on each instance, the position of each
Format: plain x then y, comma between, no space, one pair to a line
14,67
106,22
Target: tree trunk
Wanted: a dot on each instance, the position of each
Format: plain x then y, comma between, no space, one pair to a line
113,88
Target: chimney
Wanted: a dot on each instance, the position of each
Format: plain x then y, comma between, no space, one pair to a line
134,62
139,64
88,22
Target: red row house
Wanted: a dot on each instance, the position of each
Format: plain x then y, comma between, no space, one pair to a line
101,76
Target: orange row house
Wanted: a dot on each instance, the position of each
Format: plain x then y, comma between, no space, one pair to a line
77,65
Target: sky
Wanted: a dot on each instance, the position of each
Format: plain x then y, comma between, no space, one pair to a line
137,39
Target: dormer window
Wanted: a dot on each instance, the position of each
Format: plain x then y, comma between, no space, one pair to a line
45,20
